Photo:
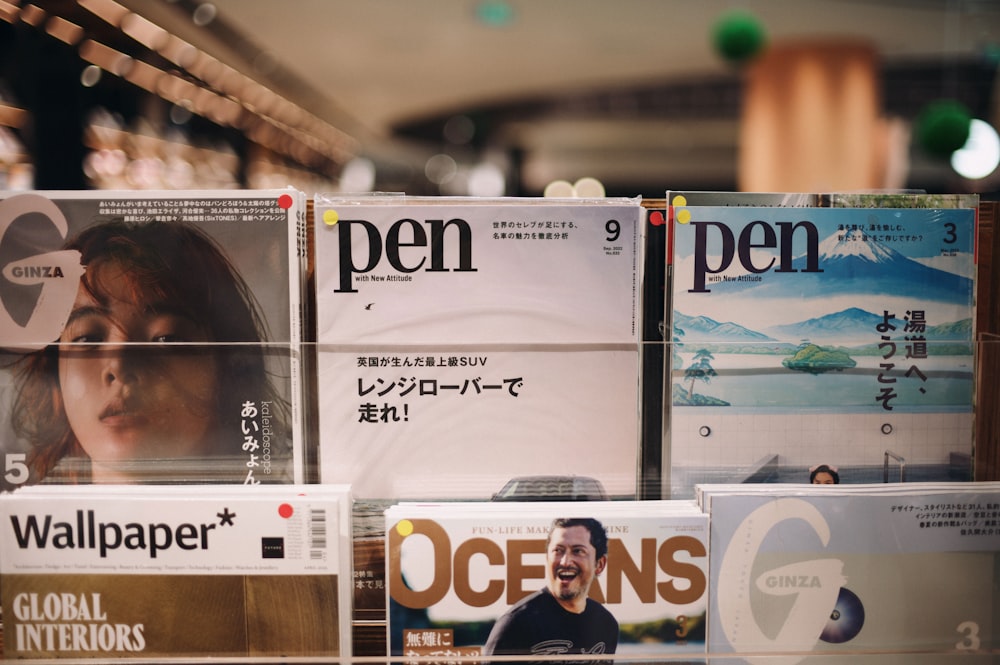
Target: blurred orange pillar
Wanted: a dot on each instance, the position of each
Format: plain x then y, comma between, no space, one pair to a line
810,119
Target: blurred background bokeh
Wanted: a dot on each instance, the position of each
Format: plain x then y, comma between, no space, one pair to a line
501,97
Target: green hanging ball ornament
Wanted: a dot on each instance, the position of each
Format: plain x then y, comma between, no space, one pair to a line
942,128
738,36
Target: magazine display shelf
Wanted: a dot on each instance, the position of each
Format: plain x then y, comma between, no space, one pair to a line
368,528
670,462
918,460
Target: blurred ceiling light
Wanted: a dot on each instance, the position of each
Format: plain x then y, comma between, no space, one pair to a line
486,180
459,129
264,101
175,89
90,76
216,108
204,14
33,15
203,101
980,155
206,67
180,113
9,12
63,30
107,10
179,52
228,81
215,90
229,112
145,76
358,175
145,32
106,57
440,168
238,85
11,116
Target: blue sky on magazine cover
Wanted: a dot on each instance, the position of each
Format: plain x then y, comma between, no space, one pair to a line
871,260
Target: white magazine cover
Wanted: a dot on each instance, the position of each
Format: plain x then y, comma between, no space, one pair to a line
820,329
404,270
109,572
151,336
830,570
462,343
481,580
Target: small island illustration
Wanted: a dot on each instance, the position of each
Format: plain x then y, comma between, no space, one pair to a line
815,359
810,358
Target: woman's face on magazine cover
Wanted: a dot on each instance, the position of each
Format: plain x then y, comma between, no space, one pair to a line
134,402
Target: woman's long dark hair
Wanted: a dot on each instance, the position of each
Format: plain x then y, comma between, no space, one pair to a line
167,262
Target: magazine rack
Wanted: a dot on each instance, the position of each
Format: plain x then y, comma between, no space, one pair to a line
368,612
668,452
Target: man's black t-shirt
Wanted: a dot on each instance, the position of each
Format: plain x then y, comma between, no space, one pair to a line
538,625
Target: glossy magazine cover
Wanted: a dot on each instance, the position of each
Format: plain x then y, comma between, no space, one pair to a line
460,575
465,342
150,337
840,570
144,572
813,329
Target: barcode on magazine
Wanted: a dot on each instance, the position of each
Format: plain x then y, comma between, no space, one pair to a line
317,533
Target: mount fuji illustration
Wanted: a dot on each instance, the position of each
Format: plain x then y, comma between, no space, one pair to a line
854,263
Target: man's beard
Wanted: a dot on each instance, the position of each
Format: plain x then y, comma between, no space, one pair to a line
569,592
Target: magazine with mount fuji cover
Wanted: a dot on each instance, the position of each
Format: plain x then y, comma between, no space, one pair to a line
810,329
